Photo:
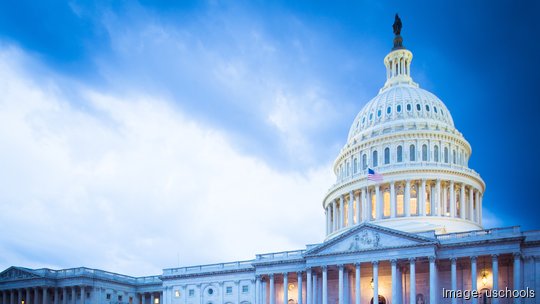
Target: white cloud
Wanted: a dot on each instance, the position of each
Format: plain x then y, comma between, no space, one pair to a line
128,182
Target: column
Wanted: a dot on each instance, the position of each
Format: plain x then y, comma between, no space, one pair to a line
479,209
453,277
340,286
375,281
350,210
64,295
517,274
334,215
327,214
474,277
471,204
438,198
26,297
299,279
378,202
392,200
12,298
272,291
152,297
56,295
285,288
357,283
407,199
395,296
73,295
83,295
258,290
45,299
412,279
495,272
477,199
462,207
422,205
36,295
358,209
368,204
432,281
309,293
365,206
324,285
445,201
452,200
341,212
314,289
4,295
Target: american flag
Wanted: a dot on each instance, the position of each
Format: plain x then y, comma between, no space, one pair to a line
374,176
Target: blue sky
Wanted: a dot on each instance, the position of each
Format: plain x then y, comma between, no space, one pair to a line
131,126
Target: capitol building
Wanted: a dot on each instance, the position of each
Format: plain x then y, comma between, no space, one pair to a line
403,226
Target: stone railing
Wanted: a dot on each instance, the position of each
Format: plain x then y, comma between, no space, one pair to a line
95,274
284,255
239,265
514,230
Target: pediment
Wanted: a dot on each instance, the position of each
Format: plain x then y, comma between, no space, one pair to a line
369,237
15,273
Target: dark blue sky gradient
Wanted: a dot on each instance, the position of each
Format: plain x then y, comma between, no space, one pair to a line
479,57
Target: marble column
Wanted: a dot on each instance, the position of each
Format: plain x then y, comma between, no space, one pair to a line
258,290
462,207
357,283
407,198
334,216
83,295
56,296
272,291
432,281
517,275
477,199
495,273
341,212
474,278
26,297
395,296
438,198
452,200
453,271
285,288
412,280
471,204
45,299
153,298
392,200
358,208
36,295
378,203
375,281
366,206
326,213
309,293
314,289
340,285
64,295
324,285
422,205
350,210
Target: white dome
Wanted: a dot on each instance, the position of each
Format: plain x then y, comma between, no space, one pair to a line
397,104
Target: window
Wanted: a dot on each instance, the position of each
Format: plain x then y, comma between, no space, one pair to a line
370,116
409,107
228,290
414,201
108,297
435,109
446,154
364,162
418,107
436,153
375,160
399,202
379,113
386,203
177,293
210,291
412,153
424,152
388,110
427,108
399,154
355,168
363,120
399,108
386,156
454,156
245,288
191,292
347,168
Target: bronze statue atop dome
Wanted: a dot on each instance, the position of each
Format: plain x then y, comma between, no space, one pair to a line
398,41
397,25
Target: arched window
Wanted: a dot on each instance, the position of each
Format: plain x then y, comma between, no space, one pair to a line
355,168
399,108
436,153
424,152
399,154
446,154
364,162
454,156
412,153
375,159
386,156
347,169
